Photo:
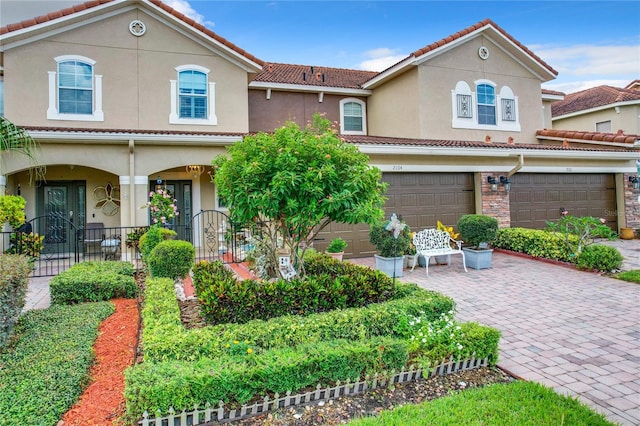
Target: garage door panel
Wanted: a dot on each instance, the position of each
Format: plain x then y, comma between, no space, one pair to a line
421,199
538,198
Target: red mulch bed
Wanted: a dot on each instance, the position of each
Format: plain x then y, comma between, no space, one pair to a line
102,403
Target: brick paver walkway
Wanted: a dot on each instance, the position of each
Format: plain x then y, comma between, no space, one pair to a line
576,332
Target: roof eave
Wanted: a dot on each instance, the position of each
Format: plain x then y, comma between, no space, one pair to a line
635,145
389,73
291,87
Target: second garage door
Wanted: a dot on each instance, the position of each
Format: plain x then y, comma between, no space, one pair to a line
538,198
420,198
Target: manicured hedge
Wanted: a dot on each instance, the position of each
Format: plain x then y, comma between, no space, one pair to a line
329,285
14,280
93,282
171,259
534,242
600,257
47,368
164,337
238,378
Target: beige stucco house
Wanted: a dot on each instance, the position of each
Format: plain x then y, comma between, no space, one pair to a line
126,94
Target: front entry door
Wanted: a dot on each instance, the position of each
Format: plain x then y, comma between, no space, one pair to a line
61,204
181,191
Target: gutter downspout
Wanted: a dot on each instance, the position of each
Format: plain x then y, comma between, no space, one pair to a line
517,167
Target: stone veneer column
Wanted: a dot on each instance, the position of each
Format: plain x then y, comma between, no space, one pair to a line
631,204
495,204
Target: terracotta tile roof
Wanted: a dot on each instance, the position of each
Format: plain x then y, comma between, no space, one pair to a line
552,92
592,98
127,131
90,4
619,137
473,28
313,75
377,140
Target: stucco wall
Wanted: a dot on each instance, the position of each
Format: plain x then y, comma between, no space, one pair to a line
136,73
393,110
626,119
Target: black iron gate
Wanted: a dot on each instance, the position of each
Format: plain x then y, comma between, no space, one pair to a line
60,243
216,237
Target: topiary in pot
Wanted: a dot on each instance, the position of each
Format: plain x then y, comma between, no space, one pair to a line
478,230
336,248
386,244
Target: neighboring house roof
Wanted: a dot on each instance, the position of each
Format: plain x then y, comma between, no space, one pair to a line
486,27
634,85
311,75
594,98
87,6
619,138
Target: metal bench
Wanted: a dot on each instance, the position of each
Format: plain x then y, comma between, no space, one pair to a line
433,242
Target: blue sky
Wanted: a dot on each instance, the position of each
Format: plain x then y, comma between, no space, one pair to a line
588,42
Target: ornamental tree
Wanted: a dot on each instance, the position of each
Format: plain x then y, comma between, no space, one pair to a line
295,182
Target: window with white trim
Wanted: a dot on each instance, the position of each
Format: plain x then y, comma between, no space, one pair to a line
484,108
192,96
75,91
353,117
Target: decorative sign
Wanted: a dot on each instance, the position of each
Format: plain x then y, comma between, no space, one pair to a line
108,199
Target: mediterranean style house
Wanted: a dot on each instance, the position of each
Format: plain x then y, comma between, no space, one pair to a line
126,95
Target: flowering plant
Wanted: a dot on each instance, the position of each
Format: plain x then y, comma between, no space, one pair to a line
586,228
162,206
439,338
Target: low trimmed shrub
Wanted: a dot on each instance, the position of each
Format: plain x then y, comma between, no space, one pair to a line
329,285
534,242
476,229
14,280
164,337
171,259
46,369
93,282
600,257
154,236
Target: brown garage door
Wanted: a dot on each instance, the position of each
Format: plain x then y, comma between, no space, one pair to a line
538,198
420,198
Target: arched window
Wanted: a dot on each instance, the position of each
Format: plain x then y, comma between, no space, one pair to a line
75,92
192,97
486,108
353,117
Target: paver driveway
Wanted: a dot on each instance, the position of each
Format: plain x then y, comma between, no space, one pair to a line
577,332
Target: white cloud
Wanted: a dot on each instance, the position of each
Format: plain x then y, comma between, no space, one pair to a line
577,86
581,60
380,59
183,6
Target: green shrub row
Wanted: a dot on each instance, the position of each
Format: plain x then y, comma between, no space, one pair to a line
164,337
93,282
329,285
237,378
600,257
171,259
14,280
46,369
534,242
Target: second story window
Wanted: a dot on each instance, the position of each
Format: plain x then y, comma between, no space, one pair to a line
75,87
192,88
353,117
75,91
193,97
486,104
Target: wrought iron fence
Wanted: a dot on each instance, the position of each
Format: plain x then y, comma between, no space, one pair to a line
55,243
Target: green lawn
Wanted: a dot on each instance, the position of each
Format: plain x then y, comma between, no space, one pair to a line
516,404
631,276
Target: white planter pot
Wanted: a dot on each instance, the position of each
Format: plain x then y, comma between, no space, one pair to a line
391,266
478,259
337,256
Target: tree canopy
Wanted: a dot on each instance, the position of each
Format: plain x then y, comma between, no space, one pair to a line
298,181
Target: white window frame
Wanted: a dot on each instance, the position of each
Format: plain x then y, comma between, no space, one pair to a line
471,122
174,116
52,111
364,116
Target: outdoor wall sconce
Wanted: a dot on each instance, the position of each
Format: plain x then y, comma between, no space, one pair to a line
493,182
158,183
506,182
195,170
634,182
